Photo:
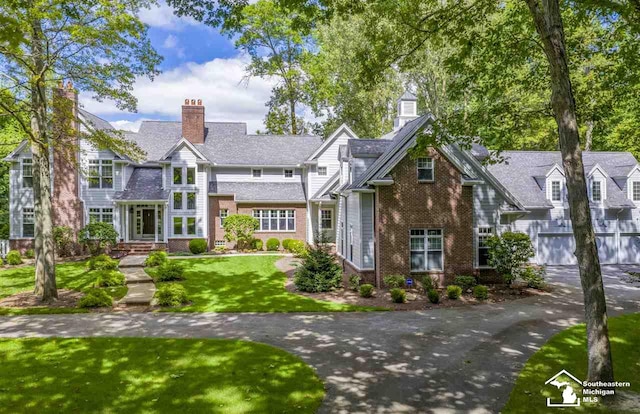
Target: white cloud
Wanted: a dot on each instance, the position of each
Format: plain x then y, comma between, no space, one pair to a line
217,82
162,16
170,42
125,125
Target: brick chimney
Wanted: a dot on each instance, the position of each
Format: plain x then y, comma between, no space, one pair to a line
193,121
67,206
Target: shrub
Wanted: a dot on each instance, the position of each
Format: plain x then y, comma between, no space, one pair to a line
13,258
256,244
95,298
354,282
98,237
171,294
509,252
109,278
398,295
285,243
240,228
102,262
465,282
428,283
481,292
63,239
297,247
156,258
433,295
198,246
454,292
273,244
319,271
366,290
171,270
30,254
533,275
394,281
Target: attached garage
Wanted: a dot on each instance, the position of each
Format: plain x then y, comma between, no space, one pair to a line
606,248
556,249
629,248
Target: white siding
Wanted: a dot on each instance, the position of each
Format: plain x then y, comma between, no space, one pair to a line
486,202
243,174
98,197
627,190
328,158
185,158
367,231
353,232
19,197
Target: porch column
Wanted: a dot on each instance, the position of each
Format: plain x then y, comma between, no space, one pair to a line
166,222
126,223
319,224
155,223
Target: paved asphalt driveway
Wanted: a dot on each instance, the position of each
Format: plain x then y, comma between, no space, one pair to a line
440,361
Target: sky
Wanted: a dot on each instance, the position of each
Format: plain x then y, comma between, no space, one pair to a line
199,63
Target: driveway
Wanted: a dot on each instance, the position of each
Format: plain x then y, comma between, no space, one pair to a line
437,361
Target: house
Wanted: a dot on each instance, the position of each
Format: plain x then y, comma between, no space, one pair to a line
387,211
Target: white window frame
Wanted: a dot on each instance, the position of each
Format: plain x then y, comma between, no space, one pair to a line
324,168
219,243
224,213
426,164
322,219
184,171
284,173
101,177
483,232
290,214
601,189
253,176
635,196
29,162
173,175
425,240
186,175
551,193
101,213
184,226
173,201
185,199
28,217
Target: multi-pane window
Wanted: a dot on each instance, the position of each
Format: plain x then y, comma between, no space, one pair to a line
177,175
596,191
27,173
191,201
100,174
635,191
425,169
426,249
177,226
276,220
191,226
28,222
256,173
322,171
484,233
177,201
224,213
191,175
180,197
101,215
326,219
556,191
288,173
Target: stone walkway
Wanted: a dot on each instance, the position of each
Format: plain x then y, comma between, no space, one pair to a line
141,288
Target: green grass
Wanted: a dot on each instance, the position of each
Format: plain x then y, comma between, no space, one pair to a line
245,284
151,375
74,276
568,350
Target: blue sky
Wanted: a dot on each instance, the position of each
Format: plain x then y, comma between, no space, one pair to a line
199,63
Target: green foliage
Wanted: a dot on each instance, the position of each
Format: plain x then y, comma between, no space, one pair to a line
156,258
298,247
240,228
102,262
509,252
433,296
398,295
30,254
273,244
465,282
98,237
481,292
394,281
354,282
171,294
169,271
64,239
533,275
13,258
319,271
285,243
454,292
109,278
95,298
366,290
428,283
198,246
256,244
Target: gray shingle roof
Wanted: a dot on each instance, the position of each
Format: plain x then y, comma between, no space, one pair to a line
95,121
368,147
521,172
145,184
260,191
408,96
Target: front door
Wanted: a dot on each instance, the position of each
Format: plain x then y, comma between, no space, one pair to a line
147,222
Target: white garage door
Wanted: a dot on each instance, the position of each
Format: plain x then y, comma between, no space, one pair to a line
556,249
630,248
606,248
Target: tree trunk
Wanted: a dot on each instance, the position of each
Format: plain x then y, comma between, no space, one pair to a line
45,275
548,22
292,109
588,139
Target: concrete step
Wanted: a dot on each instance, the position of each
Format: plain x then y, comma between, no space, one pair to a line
133,261
135,275
139,294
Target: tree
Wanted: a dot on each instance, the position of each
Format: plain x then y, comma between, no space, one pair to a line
100,46
98,237
508,252
240,228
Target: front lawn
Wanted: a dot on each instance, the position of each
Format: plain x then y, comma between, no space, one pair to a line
145,375
245,284
567,350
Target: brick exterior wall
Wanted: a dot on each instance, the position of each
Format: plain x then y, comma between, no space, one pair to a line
408,204
193,121
348,270
179,245
217,233
22,245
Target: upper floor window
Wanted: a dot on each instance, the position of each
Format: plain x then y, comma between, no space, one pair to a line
177,175
177,201
426,249
191,175
191,201
425,169
326,219
224,213
100,174
27,173
256,173
101,215
596,191
322,171
184,175
635,191
556,191
288,173
28,222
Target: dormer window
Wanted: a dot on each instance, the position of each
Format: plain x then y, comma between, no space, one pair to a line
635,191
556,191
425,169
596,191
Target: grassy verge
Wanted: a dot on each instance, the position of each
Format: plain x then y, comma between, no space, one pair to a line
151,375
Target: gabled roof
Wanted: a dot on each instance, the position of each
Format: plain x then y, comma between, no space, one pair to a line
260,191
407,96
183,143
595,168
555,167
344,128
325,191
145,184
95,121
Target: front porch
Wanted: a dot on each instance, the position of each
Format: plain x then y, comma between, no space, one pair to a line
143,223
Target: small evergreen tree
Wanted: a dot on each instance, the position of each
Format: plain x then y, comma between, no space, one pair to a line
508,252
319,271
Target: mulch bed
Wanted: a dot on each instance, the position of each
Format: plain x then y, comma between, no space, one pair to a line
66,299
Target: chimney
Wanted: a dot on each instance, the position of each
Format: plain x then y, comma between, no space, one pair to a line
193,121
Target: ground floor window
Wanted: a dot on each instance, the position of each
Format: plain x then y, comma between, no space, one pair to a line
220,243
184,226
224,213
326,219
28,222
426,249
484,233
276,220
101,215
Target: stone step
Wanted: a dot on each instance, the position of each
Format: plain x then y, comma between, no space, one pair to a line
139,294
132,261
135,275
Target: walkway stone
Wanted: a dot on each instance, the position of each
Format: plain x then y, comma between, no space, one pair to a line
132,261
136,275
139,294
141,288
